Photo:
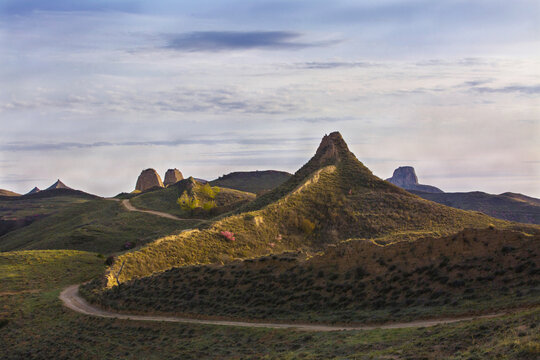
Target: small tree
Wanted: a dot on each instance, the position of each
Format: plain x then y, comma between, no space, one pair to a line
188,203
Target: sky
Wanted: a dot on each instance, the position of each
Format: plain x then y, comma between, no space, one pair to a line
93,92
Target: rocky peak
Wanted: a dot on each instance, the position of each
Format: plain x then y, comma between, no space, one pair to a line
405,177
172,176
58,185
332,148
33,191
148,179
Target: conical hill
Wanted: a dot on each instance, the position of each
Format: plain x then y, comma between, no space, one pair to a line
332,198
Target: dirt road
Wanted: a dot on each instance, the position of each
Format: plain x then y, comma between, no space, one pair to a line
127,204
71,299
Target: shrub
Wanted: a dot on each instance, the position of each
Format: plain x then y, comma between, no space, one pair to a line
210,191
110,260
188,203
228,235
209,205
128,245
307,226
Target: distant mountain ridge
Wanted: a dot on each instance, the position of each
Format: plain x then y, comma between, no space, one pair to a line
506,206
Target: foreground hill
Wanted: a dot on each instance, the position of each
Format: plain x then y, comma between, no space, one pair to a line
355,281
332,198
35,325
507,206
252,181
98,225
200,200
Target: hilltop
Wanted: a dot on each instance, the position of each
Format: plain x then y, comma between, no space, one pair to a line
252,181
332,198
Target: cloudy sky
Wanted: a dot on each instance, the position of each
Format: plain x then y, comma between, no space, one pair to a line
94,91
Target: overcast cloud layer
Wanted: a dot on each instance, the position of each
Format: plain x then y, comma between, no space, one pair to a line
95,91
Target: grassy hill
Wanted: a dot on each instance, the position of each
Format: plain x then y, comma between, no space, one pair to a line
20,211
35,325
4,192
332,198
507,206
252,181
355,281
211,200
98,225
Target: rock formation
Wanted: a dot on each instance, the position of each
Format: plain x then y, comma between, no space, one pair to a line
58,185
172,176
405,177
148,179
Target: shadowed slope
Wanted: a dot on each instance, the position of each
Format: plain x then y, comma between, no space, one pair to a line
354,281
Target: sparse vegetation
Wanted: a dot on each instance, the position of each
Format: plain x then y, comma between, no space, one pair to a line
34,325
371,283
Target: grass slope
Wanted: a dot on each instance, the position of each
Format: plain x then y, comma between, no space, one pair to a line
508,206
252,181
333,197
355,281
34,325
98,225
166,199
20,207
4,192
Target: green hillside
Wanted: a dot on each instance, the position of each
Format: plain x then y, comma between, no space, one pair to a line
211,200
23,206
355,281
252,181
98,225
332,198
35,325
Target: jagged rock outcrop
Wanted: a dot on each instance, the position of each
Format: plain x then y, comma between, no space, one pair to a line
148,179
405,177
172,176
58,185
33,191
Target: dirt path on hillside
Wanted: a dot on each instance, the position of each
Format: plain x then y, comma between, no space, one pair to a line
128,206
71,299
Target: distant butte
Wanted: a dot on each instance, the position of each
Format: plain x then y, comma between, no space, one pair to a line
405,177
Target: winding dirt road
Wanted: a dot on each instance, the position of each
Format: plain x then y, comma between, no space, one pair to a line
128,206
71,299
